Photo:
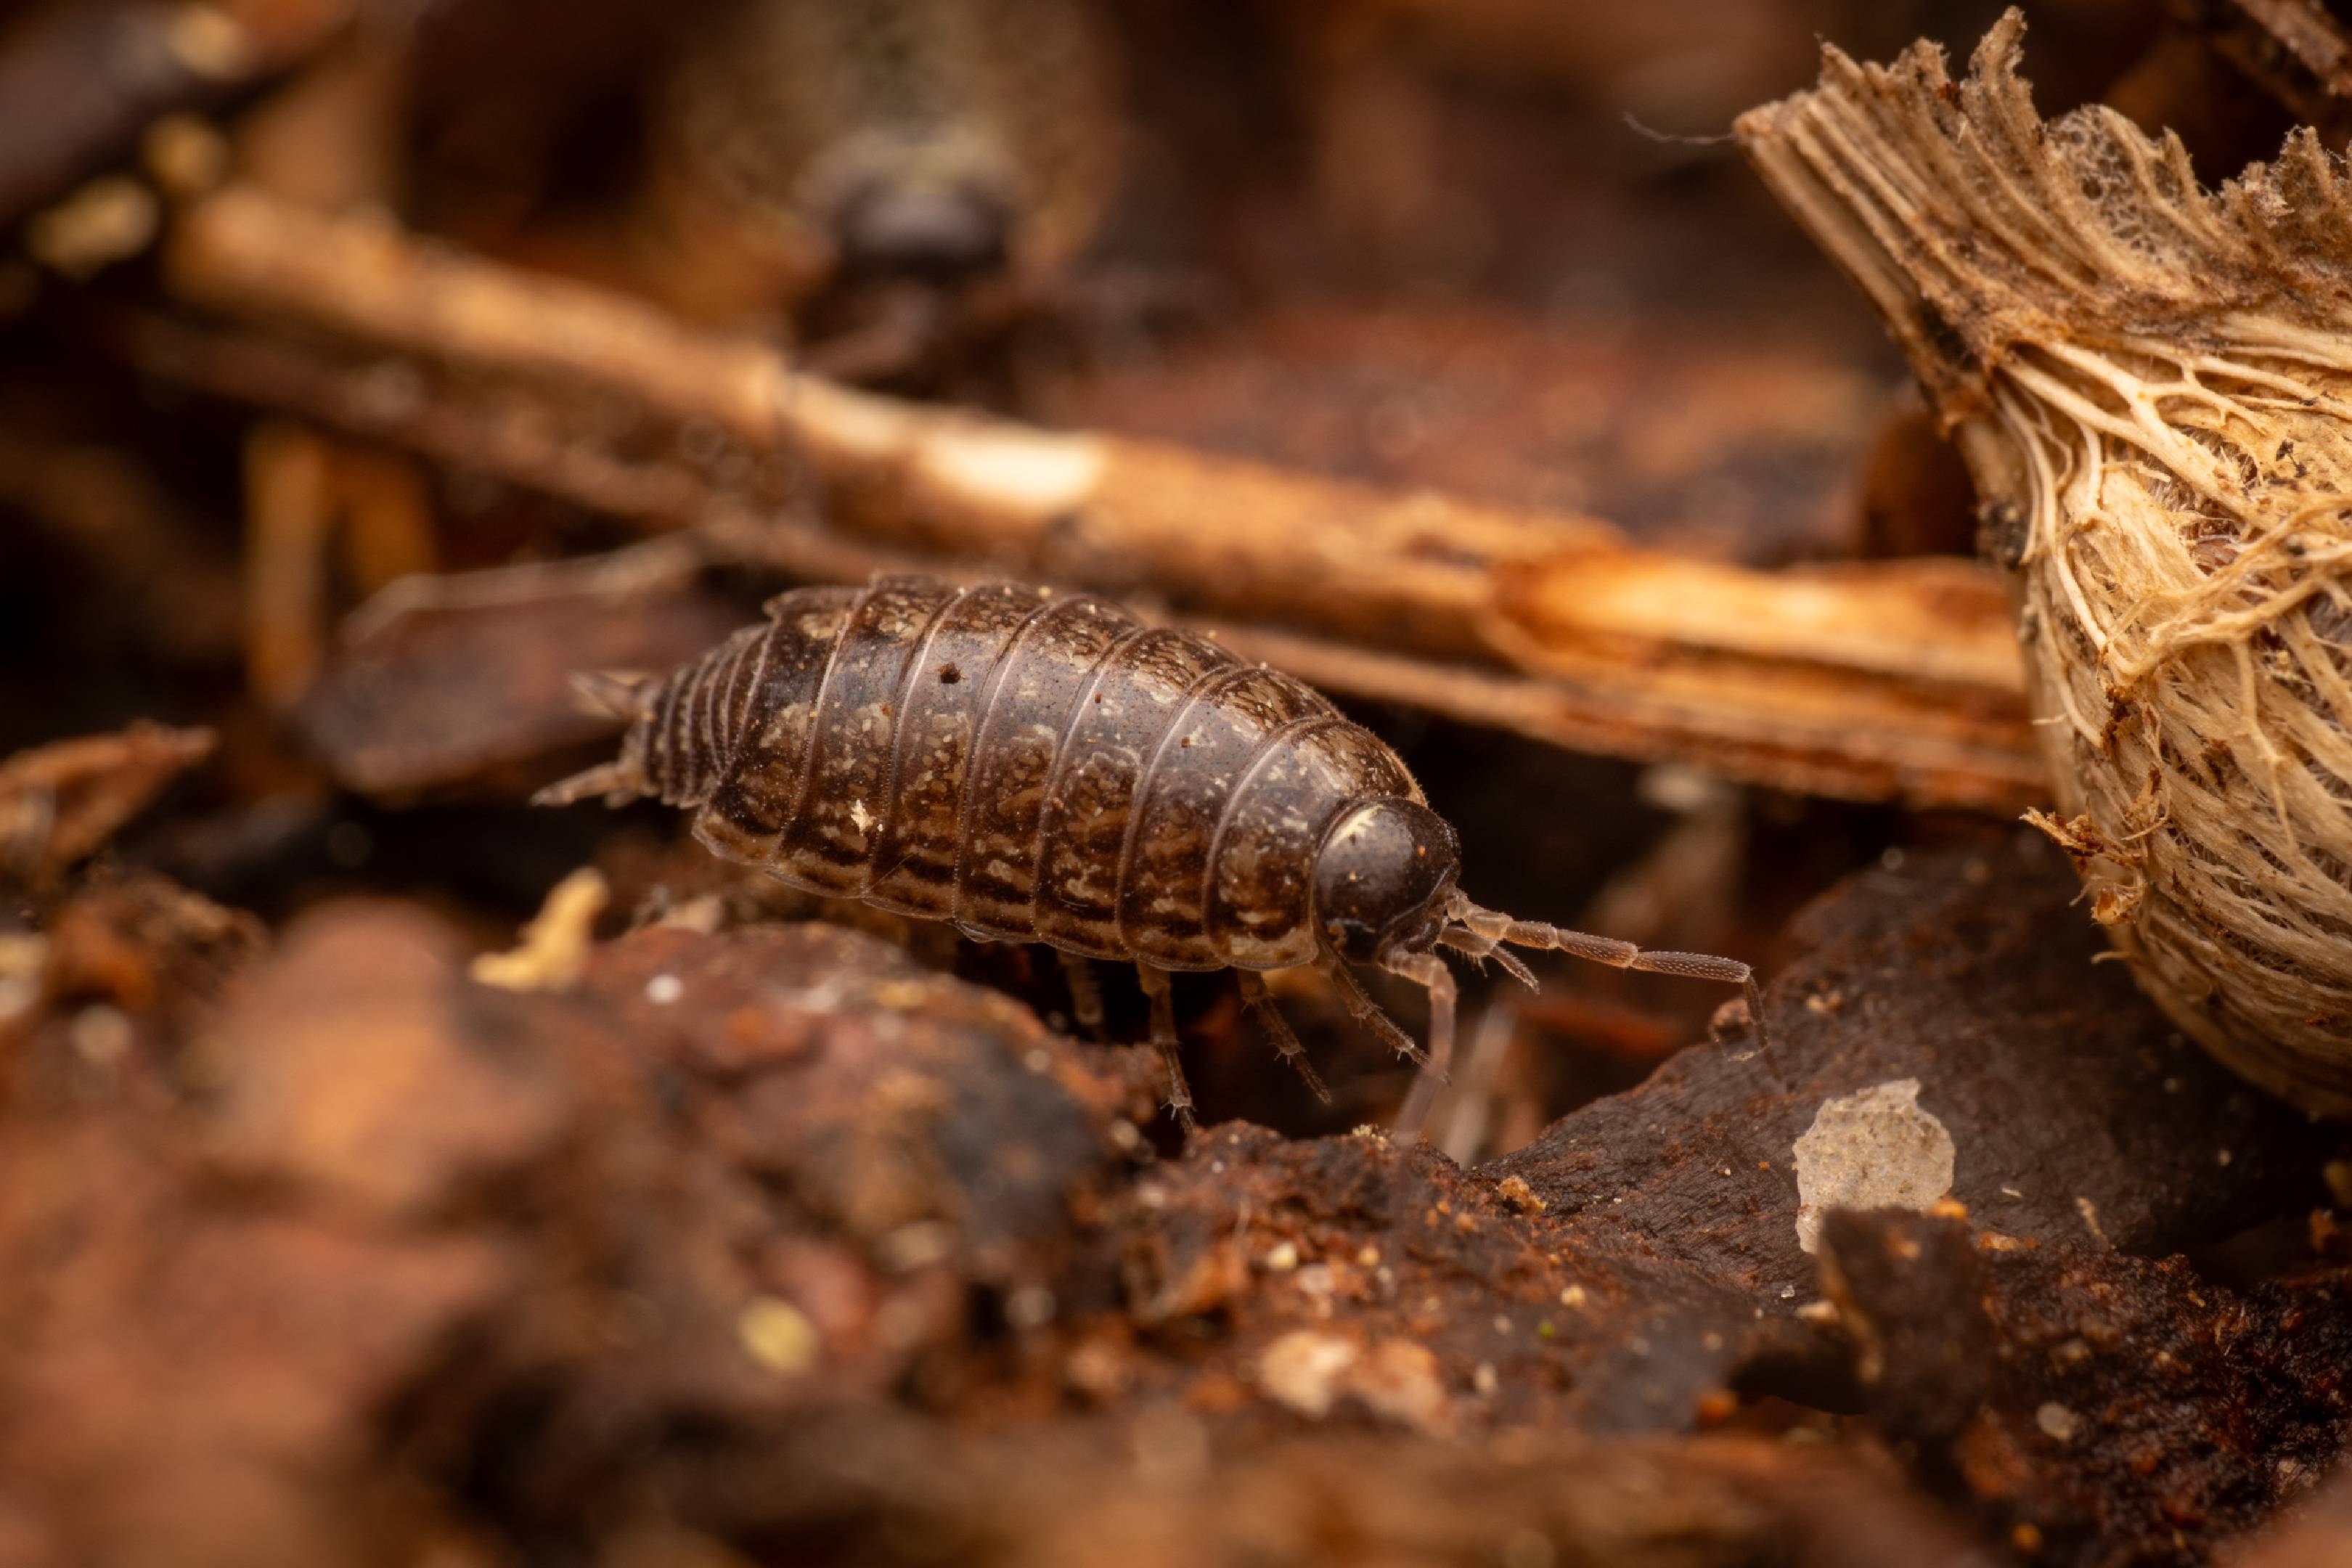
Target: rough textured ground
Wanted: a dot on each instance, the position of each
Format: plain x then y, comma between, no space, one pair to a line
768,1239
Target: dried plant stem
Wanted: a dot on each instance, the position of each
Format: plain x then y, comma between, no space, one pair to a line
1888,682
2154,380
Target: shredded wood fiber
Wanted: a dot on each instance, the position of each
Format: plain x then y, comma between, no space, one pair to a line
2149,381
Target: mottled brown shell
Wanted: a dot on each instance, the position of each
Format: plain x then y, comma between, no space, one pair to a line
1031,767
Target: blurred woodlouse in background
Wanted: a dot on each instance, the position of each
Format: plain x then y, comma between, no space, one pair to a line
937,141
1036,767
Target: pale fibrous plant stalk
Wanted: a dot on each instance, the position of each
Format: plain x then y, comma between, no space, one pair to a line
2152,385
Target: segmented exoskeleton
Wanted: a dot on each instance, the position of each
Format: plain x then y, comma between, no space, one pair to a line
1036,767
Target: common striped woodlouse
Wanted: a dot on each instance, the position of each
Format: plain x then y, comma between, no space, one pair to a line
1041,767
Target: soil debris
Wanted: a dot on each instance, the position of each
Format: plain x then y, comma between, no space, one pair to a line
60,802
2001,1365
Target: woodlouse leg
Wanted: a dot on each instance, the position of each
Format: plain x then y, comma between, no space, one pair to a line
621,694
1085,996
1366,1012
1430,972
1163,1035
1497,927
1473,1109
1256,996
613,694
618,782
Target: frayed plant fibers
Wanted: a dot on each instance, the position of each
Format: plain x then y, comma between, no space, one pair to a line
2149,382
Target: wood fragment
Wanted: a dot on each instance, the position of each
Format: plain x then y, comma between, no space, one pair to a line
2294,49
1800,681
287,519
552,949
305,496
464,681
60,802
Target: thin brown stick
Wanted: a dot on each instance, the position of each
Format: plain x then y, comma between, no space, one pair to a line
1888,681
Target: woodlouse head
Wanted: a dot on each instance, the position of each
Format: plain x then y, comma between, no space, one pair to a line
938,230
1385,880
922,143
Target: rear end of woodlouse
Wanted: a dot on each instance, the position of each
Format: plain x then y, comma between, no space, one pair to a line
1041,767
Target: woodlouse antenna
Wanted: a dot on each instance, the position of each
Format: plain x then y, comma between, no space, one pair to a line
1480,933
1495,927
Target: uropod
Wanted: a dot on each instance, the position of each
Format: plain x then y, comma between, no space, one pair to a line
1041,767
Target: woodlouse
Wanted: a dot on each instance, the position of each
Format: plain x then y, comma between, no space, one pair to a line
946,139
1041,767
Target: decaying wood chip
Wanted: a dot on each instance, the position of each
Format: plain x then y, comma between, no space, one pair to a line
2317,1532
1969,974
438,682
2020,1373
1172,1488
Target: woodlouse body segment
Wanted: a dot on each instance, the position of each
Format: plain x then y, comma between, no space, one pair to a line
1046,768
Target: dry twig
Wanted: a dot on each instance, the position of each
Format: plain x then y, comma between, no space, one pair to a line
1886,681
